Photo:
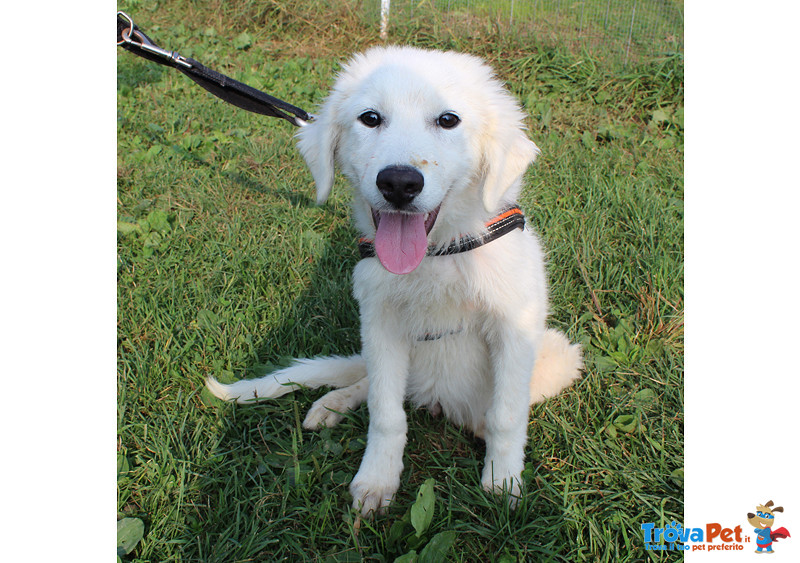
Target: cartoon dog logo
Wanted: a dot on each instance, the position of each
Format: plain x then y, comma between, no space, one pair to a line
762,521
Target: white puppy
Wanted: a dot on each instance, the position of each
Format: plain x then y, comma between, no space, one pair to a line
452,295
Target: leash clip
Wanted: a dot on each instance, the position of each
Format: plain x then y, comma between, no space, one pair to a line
302,123
133,39
145,44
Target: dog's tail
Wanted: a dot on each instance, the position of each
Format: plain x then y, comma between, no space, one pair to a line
333,371
558,365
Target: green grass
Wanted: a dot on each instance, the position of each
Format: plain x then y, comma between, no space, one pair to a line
226,267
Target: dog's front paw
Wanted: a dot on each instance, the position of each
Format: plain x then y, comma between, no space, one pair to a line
372,496
500,482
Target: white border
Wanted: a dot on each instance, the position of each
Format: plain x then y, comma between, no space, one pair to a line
742,250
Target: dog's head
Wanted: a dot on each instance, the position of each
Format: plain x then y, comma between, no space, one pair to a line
412,130
764,516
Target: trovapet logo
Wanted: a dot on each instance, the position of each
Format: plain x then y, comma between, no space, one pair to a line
762,522
676,537
716,537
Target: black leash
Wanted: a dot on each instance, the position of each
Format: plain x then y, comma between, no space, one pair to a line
133,39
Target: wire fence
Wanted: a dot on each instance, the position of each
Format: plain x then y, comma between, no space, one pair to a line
626,30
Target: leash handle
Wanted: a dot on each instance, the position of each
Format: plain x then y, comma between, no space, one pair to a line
133,39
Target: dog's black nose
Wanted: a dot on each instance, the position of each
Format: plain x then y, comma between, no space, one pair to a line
400,184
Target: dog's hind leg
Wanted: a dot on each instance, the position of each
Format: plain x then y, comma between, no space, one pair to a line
558,365
329,410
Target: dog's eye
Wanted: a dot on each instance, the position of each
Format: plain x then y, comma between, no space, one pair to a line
448,120
370,118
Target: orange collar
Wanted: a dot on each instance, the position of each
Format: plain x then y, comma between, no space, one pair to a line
509,219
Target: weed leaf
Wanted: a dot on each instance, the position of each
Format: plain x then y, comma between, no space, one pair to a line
159,221
123,465
659,116
243,40
438,547
125,228
644,397
129,533
422,509
625,423
410,557
397,530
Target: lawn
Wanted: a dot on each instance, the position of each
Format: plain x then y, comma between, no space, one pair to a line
226,267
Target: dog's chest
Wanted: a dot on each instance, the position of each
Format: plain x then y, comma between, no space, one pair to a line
431,303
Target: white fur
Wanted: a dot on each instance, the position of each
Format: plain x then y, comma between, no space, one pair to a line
494,357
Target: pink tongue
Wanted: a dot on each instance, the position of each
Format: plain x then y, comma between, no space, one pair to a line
401,241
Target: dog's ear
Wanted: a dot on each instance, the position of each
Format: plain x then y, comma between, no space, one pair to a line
317,144
508,154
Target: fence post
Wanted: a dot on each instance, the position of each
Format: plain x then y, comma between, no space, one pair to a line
630,33
384,18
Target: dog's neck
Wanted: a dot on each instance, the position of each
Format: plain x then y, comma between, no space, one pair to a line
507,220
